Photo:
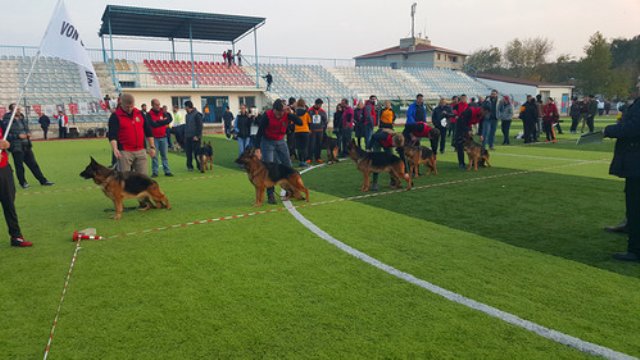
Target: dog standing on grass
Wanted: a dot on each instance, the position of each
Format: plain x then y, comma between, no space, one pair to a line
119,186
476,153
378,162
265,175
417,155
205,156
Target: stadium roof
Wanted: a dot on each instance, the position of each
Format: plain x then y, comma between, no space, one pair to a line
519,81
174,24
420,48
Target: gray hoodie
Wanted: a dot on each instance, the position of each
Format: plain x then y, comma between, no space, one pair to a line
193,124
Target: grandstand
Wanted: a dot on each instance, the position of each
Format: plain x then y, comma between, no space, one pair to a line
384,82
446,83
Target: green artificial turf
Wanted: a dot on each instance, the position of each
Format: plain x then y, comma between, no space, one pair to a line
529,241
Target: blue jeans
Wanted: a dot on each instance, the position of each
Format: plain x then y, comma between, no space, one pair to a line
368,133
161,150
243,144
275,151
489,128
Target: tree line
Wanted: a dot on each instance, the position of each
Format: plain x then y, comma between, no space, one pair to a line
608,68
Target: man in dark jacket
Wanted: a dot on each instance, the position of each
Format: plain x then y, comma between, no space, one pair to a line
592,107
45,122
529,118
227,119
192,134
269,79
574,112
21,148
626,164
440,113
318,127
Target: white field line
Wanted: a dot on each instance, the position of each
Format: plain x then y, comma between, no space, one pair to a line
554,335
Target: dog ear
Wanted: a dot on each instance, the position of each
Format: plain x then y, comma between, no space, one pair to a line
93,161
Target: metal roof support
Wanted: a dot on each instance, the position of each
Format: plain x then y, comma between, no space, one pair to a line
193,63
113,63
104,52
257,64
173,50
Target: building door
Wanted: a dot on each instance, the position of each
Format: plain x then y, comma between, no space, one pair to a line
213,108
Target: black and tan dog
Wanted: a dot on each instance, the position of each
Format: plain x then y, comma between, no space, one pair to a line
119,186
265,175
205,156
418,155
378,162
476,153
331,145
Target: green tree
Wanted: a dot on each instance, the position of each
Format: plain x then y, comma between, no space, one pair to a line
484,60
596,75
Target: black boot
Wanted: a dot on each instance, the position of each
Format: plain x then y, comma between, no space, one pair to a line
620,228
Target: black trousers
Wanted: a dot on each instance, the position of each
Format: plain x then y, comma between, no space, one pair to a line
191,149
346,135
459,145
302,145
529,131
7,197
62,132
590,123
575,120
632,192
506,126
443,139
45,132
315,145
26,156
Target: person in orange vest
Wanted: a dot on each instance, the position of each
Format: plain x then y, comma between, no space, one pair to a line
387,116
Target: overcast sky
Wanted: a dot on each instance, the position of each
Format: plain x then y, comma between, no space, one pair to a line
343,29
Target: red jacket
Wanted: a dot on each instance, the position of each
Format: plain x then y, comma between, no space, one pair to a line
4,158
458,109
423,131
347,118
277,128
129,130
161,131
550,113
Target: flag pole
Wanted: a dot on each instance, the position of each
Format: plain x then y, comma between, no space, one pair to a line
23,90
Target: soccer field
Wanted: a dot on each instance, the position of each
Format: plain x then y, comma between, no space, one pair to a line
216,278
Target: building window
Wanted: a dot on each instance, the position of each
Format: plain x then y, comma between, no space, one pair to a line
439,56
248,101
454,59
179,101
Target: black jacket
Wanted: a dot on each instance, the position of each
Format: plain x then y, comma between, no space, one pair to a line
439,113
44,121
337,120
20,126
243,126
193,124
530,113
626,156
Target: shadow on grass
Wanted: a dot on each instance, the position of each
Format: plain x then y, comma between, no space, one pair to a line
555,214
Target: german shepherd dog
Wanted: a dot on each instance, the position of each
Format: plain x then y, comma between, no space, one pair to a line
205,156
417,155
265,175
331,145
119,186
377,162
476,153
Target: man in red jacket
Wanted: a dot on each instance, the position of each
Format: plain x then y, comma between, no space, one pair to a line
158,120
127,132
8,196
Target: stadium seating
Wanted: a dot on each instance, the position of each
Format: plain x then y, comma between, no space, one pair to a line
384,82
307,81
208,74
447,83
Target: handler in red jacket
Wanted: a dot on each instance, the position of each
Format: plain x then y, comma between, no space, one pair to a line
128,129
8,196
158,120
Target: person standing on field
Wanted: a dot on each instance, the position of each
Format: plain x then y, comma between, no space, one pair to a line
128,130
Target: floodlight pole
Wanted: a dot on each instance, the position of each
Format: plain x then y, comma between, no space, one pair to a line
193,64
255,41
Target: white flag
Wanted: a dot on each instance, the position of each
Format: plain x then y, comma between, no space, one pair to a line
62,40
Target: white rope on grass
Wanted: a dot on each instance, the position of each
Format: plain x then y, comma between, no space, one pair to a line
554,335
